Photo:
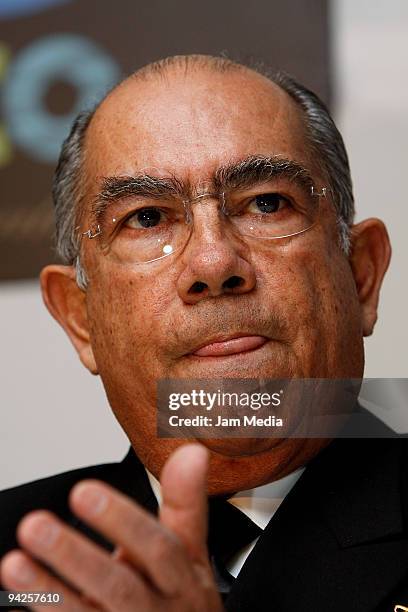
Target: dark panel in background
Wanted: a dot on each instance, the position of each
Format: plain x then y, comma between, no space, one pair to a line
57,56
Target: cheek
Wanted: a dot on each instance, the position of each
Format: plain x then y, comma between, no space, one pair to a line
291,281
126,311
336,315
314,290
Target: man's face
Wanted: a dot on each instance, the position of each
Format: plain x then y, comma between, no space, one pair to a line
146,321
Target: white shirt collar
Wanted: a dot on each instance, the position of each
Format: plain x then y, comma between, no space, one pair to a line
155,484
259,504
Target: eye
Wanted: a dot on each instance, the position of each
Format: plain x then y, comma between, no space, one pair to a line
268,203
144,218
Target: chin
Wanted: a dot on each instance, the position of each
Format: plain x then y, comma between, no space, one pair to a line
245,463
240,447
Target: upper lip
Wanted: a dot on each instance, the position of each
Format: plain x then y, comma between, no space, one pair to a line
224,338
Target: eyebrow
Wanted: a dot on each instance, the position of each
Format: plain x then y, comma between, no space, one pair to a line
115,188
258,169
245,173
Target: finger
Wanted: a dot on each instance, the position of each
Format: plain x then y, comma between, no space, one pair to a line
20,573
184,506
156,552
88,568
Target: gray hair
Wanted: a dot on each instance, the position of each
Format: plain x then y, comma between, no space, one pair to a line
324,140
327,145
67,195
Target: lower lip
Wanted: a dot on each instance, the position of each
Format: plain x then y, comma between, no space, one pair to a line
231,347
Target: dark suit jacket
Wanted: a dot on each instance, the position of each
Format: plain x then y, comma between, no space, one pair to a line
338,542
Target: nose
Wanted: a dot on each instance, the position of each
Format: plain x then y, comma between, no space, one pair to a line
214,260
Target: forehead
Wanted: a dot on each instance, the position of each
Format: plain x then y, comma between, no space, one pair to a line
188,124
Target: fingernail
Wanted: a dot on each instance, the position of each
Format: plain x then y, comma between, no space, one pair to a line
43,532
21,571
91,499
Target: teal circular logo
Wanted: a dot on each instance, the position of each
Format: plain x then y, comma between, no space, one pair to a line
70,58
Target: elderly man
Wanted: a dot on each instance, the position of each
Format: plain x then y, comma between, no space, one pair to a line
204,214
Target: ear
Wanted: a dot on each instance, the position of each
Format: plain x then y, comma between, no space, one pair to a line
370,257
67,304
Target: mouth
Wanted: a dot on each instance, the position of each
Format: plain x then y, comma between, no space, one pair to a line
230,346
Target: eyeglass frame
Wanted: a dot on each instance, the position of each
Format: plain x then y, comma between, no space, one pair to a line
91,234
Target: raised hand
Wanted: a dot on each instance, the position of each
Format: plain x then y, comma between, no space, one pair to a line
157,564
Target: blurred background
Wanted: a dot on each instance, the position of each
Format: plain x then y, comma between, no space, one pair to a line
58,56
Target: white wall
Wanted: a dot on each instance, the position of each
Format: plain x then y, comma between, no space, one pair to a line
371,67
55,415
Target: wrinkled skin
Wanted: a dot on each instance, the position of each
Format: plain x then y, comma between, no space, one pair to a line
137,324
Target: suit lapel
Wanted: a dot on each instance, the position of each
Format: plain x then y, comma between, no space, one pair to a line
133,481
129,476
337,541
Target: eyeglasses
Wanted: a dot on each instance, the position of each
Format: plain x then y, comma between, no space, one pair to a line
148,230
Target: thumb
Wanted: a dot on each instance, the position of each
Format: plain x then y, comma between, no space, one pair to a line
184,498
